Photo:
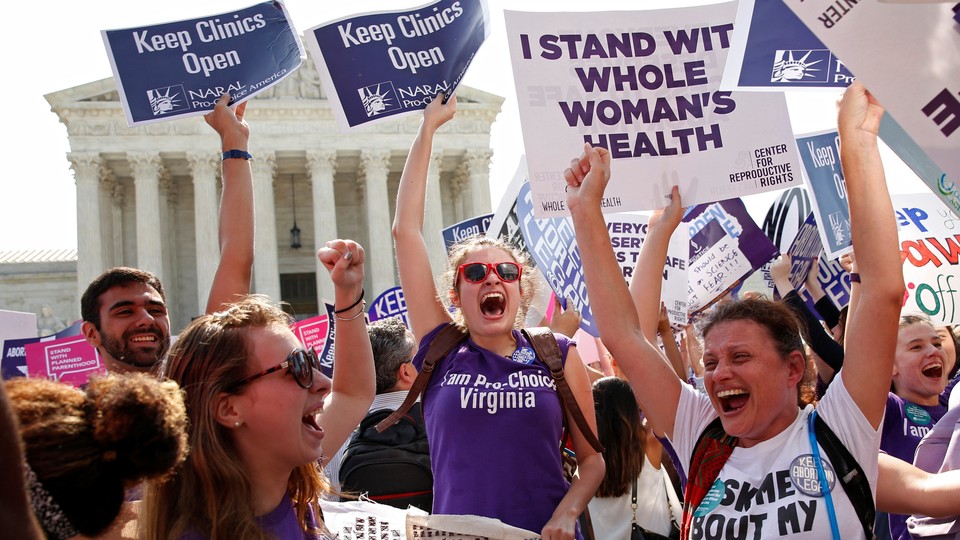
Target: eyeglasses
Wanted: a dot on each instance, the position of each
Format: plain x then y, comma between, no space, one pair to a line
476,272
301,362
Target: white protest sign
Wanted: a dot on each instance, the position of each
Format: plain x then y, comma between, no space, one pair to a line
645,85
930,247
921,95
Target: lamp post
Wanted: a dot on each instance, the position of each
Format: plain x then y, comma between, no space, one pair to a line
294,231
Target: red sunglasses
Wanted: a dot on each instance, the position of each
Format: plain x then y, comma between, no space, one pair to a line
475,272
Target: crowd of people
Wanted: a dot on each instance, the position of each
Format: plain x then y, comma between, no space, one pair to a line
797,428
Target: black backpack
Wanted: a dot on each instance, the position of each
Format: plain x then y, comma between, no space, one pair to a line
392,467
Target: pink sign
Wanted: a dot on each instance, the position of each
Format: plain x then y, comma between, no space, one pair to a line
71,360
313,332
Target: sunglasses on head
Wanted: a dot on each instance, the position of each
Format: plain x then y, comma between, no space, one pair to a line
301,362
476,272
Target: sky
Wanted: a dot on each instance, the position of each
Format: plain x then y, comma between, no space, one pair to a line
47,54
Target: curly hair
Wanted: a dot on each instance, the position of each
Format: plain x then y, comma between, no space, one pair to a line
212,492
88,446
459,251
781,324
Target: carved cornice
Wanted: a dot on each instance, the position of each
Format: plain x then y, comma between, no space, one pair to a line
203,165
477,160
145,165
375,162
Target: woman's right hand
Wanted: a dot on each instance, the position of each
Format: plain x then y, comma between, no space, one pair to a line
344,260
439,113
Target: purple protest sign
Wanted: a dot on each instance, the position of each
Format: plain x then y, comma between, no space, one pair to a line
70,360
726,245
318,333
805,247
390,303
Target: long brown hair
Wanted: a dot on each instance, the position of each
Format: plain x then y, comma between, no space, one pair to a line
622,434
212,493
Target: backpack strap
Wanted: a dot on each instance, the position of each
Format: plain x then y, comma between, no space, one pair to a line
548,351
715,446
712,450
850,475
447,339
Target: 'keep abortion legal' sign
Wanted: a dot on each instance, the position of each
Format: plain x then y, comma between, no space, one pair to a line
645,85
383,64
180,68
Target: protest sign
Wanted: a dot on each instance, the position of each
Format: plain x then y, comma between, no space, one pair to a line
390,303
318,333
14,327
552,245
646,87
384,64
70,360
820,153
803,250
771,49
922,95
465,229
14,363
181,68
930,247
726,245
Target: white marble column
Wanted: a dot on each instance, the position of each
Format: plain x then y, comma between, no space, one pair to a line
116,217
146,179
321,166
203,168
266,269
90,261
374,166
107,235
460,191
433,217
477,161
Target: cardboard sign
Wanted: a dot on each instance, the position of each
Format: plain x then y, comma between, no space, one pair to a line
181,68
773,50
318,333
465,229
648,90
820,153
922,95
71,360
385,64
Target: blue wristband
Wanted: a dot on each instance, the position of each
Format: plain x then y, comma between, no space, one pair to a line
237,154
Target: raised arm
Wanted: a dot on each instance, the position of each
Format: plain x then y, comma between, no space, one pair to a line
670,349
645,291
871,336
232,278
655,384
424,308
354,379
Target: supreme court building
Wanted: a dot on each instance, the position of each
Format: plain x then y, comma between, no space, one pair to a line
149,196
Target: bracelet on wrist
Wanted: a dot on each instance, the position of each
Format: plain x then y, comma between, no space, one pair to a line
241,154
854,277
351,306
363,308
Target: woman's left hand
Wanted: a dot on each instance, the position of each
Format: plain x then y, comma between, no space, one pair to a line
562,527
344,260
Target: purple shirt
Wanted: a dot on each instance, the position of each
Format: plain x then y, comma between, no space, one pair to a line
281,523
494,425
904,424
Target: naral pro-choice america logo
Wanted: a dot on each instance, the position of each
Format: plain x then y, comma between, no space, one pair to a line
379,98
167,100
798,66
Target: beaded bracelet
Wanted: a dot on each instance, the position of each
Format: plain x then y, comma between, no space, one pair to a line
351,306
355,317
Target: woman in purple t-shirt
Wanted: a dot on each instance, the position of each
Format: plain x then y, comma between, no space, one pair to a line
492,414
259,408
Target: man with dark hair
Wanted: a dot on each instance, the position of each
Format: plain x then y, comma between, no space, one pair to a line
124,309
393,349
